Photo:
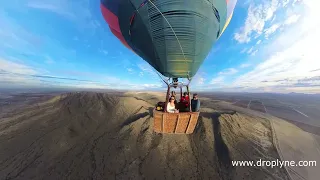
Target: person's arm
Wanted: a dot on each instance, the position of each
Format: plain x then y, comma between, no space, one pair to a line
198,106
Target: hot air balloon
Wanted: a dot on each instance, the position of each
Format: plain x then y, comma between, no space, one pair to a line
174,37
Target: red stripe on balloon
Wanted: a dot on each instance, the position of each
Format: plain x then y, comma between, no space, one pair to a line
111,18
120,37
113,23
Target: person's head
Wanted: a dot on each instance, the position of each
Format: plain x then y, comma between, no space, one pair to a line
171,99
195,96
185,94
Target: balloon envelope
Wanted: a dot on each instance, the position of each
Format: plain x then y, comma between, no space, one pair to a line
173,36
231,4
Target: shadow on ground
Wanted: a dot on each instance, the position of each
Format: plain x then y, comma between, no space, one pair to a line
222,150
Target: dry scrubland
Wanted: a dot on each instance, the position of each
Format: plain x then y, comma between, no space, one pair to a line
110,136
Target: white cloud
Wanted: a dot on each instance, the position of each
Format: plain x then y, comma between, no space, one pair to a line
250,50
273,19
199,79
244,50
19,40
292,19
68,9
255,22
15,36
229,71
296,1
315,70
89,86
130,70
15,73
271,30
13,67
258,42
119,85
19,75
295,63
245,65
285,3
110,79
254,52
217,80
151,86
58,7
77,11
147,69
291,59
271,9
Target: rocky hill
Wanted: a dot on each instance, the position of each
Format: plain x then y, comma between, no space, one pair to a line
110,136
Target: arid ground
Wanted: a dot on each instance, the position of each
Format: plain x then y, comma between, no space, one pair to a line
90,135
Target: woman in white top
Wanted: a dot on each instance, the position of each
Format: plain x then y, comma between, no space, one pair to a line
171,107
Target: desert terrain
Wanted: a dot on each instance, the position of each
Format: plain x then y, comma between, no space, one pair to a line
299,109
91,135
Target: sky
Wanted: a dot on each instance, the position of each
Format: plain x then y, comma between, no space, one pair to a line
269,46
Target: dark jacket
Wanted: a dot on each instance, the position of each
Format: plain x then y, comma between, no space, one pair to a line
195,105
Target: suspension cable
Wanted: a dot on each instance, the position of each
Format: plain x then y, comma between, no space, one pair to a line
162,78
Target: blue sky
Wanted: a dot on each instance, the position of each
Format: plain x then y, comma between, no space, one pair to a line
269,46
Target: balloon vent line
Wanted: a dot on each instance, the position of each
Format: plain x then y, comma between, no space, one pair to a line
172,31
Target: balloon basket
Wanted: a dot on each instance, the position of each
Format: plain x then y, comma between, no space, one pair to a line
175,123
